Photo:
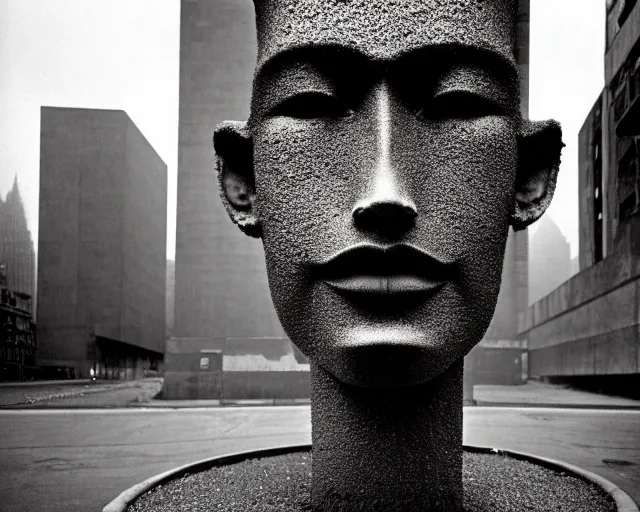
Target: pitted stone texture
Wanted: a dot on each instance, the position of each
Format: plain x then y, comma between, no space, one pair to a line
385,449
384,28
542,144
492,483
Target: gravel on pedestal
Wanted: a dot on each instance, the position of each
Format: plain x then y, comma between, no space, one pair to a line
492,483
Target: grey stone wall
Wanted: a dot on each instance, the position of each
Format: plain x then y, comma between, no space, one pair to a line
590,325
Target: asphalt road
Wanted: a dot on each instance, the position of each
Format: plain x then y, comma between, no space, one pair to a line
78,460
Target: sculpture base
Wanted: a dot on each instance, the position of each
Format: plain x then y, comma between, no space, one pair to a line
280,480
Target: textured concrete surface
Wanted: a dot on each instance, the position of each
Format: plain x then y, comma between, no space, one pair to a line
56,461
590,325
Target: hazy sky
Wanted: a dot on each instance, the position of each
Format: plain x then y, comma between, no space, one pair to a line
123,54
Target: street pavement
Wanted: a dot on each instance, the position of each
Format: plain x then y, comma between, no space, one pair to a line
78,460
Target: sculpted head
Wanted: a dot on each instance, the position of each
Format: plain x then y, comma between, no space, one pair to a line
383,163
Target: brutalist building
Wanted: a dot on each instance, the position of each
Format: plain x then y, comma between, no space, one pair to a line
587,330
101,245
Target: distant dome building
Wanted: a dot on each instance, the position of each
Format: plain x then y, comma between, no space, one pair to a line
549,259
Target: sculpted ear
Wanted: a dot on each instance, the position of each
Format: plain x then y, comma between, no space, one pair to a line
234,165
539,162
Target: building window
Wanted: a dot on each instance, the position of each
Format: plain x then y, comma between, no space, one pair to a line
598,247
628,185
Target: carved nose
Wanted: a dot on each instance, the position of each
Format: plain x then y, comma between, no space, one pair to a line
385,217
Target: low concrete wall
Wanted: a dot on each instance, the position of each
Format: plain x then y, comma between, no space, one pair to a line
498,362
273,385
235,369
590,325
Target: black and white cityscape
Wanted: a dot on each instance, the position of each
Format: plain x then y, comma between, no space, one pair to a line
137,330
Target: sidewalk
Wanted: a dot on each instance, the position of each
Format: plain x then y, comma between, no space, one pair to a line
78,393
45,383
540,394
189,404
141,394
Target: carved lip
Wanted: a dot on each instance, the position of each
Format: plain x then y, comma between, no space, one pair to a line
379,270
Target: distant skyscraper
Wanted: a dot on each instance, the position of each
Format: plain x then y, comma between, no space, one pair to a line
16,245
549,259
102,244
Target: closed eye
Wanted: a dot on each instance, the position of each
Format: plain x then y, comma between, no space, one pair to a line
460,105
311,105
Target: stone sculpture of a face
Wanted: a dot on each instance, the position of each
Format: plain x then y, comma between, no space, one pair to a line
382,165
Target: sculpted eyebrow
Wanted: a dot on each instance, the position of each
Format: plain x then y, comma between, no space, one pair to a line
329,60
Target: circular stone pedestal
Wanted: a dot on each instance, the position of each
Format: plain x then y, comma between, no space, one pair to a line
280,480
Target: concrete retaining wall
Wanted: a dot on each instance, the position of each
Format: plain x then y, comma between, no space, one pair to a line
235,369
497,362
590,325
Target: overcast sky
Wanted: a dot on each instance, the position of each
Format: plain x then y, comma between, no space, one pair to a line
123,54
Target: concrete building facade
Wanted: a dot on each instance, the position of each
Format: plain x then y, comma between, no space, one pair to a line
102,245
222,292
590,325
590,188
17,252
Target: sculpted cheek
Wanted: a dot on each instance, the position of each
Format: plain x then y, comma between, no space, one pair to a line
304,185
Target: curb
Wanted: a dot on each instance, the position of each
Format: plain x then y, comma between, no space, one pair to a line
623,501
158,404
127,497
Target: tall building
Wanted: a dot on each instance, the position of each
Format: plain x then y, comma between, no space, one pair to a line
609,147
222,292
621,120
102,245
16,245
589,327
221,289
549,259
